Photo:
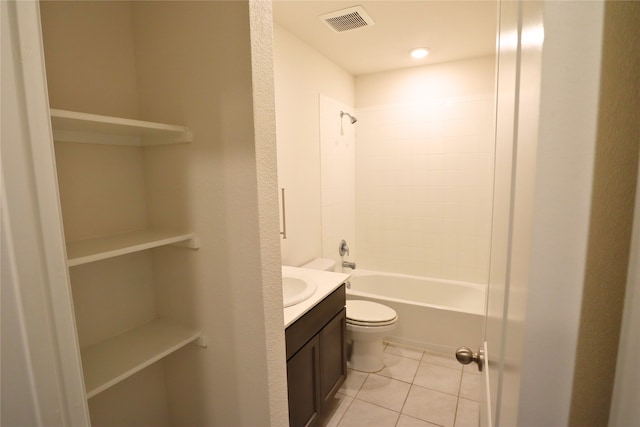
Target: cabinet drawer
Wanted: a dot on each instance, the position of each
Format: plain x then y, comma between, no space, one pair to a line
310,324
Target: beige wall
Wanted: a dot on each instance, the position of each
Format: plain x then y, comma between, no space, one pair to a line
186,63
90,63
301,75
614,185
209,187
98,74
587,160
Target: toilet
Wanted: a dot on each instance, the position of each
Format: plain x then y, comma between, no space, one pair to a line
367,323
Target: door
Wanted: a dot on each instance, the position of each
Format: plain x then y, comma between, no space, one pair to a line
520,39
41,366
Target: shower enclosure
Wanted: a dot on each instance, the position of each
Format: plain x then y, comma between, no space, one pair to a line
422,171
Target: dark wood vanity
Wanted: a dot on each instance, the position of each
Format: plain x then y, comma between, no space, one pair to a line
316,358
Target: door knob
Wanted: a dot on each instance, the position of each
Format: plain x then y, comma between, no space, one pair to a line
466,356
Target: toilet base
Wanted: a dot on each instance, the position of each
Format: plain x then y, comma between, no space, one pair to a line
366,354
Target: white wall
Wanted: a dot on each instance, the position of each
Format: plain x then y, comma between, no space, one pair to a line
264,110
337,141
424,169
301,75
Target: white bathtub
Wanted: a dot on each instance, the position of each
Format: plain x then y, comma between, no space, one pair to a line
433,314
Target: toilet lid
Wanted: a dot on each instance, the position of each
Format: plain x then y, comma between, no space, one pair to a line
362,312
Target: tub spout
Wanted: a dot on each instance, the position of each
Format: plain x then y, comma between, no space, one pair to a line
351,265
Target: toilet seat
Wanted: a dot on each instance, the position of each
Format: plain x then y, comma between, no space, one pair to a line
368,313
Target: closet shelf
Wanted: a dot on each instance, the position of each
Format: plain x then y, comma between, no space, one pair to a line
85,251
71,126
109,362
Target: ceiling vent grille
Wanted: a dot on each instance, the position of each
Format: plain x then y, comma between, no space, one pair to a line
347,19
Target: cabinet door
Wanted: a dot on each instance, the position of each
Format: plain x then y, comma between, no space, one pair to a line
303,381
333,357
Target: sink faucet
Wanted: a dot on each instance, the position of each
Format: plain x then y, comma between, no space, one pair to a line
351,265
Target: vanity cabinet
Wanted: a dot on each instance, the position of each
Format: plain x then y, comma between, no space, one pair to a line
316,358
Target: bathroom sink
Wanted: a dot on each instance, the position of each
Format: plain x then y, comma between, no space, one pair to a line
296,289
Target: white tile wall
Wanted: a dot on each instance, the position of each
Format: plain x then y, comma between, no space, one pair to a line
337,159
423,185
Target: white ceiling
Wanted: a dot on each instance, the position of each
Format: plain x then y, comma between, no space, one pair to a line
450,29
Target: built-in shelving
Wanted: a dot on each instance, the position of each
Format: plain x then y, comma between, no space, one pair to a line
109,362
71,126
85,251
113,360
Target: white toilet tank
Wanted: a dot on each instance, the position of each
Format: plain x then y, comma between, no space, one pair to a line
325,264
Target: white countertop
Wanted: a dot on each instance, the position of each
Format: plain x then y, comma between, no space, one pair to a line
327,282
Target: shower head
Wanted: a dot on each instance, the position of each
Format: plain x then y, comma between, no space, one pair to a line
351,118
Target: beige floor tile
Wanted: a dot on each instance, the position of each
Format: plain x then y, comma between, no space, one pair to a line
399,368
448,360
471,386
398,350
438,378
467,414
471,368
430,405
407,421
362,413
383,391
354,381
335,410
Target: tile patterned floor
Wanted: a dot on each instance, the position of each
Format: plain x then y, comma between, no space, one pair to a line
415,389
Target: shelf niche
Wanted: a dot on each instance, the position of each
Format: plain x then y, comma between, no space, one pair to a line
90,250
115,359
107,363
72,126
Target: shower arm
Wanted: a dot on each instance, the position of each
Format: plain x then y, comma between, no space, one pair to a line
352,119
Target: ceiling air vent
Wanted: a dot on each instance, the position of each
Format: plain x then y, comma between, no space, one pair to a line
347,19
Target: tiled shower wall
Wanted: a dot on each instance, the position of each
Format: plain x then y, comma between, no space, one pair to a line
424,179
337,141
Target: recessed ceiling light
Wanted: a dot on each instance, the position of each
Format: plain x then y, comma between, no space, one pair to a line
419,53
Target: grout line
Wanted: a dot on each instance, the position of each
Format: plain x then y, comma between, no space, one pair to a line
411,386
345,411
404,403
455,414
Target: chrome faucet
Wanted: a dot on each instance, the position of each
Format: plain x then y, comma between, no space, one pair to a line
343,248
351,265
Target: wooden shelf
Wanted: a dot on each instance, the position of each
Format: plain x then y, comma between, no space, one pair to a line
85,251
71,126
107,363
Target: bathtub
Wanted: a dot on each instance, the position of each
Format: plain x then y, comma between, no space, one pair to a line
433,314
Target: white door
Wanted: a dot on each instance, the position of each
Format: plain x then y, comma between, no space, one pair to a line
520,39
40,364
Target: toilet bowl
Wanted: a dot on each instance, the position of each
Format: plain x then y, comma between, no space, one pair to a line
367,323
